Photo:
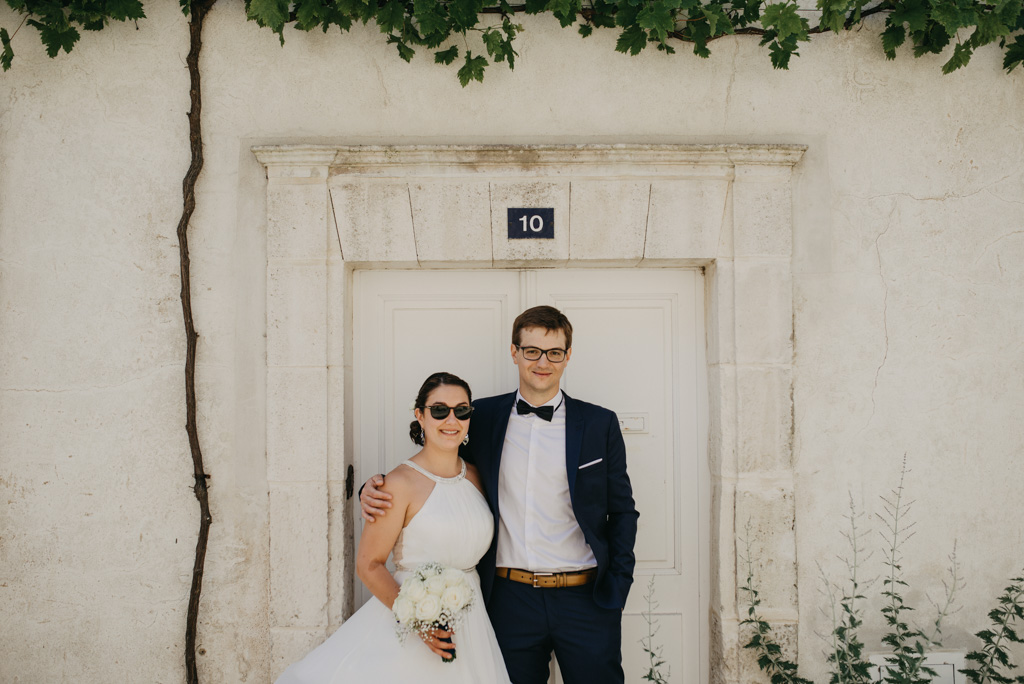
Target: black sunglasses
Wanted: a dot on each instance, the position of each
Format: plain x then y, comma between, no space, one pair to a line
440,411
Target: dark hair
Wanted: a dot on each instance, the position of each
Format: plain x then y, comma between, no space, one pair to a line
547,317
429,385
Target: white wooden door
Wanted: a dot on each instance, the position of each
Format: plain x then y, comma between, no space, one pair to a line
638,349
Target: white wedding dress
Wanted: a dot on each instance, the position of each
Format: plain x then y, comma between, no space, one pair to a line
454,528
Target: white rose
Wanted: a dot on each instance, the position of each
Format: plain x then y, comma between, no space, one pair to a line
429,609
404,610
455,598
452,576
435,585
414,590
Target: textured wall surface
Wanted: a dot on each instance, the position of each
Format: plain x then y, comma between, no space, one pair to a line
908,280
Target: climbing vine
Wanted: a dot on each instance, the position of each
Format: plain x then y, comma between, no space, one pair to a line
474,34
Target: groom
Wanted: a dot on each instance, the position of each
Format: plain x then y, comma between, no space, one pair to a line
554,472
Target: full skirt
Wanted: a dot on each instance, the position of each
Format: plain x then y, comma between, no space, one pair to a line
366,648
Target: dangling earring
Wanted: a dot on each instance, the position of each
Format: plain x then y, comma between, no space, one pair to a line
465,440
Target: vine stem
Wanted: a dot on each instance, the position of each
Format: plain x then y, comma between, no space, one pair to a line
197,12
23,20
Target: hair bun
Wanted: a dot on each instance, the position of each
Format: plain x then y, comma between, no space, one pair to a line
416,432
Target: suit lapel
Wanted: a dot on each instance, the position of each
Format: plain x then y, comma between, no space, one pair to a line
503,409
573,440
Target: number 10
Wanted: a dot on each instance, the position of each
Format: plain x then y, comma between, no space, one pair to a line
536,223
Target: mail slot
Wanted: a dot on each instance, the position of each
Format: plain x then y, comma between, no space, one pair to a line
633,423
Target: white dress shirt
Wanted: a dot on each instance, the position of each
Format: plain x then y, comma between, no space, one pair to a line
537,529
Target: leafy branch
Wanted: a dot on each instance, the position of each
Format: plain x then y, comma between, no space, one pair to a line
769,653
929,26
993,657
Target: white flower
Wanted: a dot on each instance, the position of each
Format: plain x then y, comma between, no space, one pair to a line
429,609
456,597
412,405
435,585
404,610
413,589
453,576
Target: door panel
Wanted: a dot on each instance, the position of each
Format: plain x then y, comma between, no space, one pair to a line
637,349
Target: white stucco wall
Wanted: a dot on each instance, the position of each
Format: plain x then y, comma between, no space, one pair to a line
908,246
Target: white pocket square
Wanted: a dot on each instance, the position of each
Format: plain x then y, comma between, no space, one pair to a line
587,465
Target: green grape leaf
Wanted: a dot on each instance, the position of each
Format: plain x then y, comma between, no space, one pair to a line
626,15
783,19
632,40
990,28
603,14
472,69
56,37
307,15
508,53
7,56
270,13
1012,59
492,41
892,37
719,22
658,19
404,51
699,32
391,16
585,30
564,10
429,18
781,50
465,14
952,16
123,10
913,13
934,39
446,56
833,13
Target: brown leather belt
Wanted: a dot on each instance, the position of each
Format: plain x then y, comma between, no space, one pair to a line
548,580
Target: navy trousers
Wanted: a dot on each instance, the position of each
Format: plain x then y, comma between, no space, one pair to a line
531,623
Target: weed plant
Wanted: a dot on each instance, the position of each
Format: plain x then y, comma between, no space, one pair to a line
908,644
770,658
846,650
655,659
993,660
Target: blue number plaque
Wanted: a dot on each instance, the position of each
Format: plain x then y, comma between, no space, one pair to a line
535,224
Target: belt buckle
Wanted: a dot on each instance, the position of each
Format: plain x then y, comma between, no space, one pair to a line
540,574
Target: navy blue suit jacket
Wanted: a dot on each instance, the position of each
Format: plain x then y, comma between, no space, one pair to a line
602,498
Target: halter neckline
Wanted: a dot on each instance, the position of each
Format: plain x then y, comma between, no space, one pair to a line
437,478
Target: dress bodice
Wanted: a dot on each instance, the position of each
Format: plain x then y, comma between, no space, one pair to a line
453,527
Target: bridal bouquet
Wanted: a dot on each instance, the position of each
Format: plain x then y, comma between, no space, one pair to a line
433,597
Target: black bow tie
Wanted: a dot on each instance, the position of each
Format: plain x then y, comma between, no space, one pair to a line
545,412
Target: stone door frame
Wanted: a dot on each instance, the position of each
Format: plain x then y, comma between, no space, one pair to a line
725,208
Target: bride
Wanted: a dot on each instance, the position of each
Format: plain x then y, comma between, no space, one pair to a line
439,514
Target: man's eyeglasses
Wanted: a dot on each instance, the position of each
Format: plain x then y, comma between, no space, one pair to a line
534,354
440,411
